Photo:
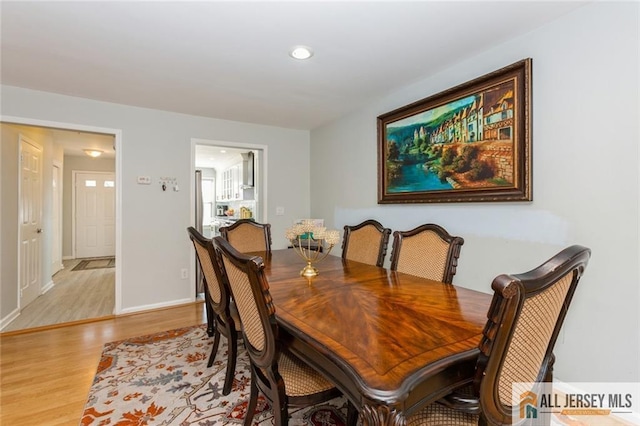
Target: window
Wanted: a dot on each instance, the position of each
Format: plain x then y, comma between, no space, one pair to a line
89,183
109,184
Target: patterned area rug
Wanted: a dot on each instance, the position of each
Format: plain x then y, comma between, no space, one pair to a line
163,379
95,263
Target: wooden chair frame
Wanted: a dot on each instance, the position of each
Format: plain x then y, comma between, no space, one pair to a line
510,294
218,311
455,244
264,362
384,239
226,232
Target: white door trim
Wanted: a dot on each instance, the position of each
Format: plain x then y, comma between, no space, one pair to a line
59,266
117,133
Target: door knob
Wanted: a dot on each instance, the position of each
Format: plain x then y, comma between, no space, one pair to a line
39,230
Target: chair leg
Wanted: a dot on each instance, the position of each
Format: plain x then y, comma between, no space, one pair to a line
211,315
352,414
232,354
253,400
214,348
279,402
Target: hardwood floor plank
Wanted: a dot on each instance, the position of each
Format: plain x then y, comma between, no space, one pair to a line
75,296
46,374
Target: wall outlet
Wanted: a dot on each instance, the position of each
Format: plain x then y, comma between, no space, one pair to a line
184,273
279,211
144,180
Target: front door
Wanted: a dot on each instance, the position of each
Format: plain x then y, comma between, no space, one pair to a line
30,214
95,214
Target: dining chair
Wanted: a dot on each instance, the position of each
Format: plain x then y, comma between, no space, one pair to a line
225,317
427,251
282,378
524,319
366,242
247,236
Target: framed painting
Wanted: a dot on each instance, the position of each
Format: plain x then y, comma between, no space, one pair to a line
470,143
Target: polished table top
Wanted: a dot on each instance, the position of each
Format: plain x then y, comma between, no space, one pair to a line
385,337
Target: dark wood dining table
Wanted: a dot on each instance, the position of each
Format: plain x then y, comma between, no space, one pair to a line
391,342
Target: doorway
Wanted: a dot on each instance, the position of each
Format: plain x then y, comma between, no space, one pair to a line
233,176
55,185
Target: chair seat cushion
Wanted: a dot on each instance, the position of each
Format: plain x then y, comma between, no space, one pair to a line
438,415
299,378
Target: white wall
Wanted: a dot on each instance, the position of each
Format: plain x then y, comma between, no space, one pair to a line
585,181
154,243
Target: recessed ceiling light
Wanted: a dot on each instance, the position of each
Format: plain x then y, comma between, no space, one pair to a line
301,52
222,151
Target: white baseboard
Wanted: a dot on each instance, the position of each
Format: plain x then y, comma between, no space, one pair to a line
47,287
68,257
9,318
154,306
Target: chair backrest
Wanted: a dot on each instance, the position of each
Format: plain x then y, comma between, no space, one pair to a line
250,291
214,279
427,251
524,320
246,236
366,242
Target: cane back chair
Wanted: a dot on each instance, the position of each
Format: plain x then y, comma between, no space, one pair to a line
427,251
281,377
524,319
225,317
246,236
366,242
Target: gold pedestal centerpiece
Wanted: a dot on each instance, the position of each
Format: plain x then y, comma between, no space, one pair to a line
313,243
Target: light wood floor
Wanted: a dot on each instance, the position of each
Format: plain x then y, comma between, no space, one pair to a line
76,296
46,374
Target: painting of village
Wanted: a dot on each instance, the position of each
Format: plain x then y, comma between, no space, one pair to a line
467,143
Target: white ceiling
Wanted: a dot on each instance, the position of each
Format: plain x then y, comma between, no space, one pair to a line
230,59
74,143
217,157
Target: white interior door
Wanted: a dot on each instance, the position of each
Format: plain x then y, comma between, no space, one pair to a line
94,214
30,214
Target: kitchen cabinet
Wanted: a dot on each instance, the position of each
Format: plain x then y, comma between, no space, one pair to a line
231,186
224,187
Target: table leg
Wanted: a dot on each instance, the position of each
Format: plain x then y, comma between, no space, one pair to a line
381,415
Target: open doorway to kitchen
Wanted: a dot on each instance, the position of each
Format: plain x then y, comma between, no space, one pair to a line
228,185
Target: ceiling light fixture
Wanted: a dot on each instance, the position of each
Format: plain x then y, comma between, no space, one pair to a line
301,52
93,152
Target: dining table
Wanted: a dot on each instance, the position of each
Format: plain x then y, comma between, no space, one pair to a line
390,342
